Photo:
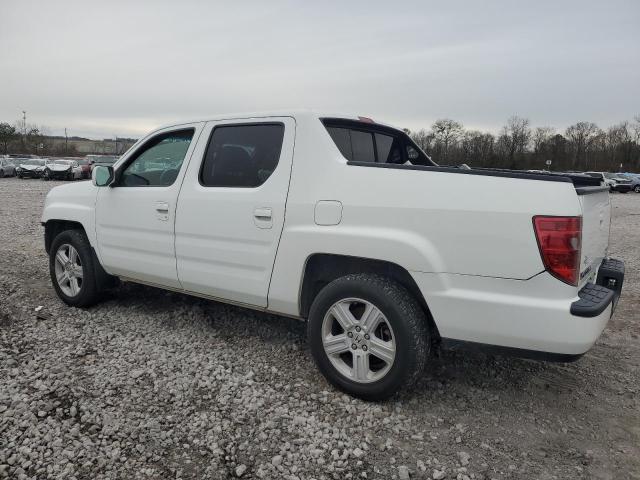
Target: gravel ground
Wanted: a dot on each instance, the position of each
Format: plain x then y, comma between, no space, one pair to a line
157,385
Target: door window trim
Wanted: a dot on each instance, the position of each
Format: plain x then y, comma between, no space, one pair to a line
240,124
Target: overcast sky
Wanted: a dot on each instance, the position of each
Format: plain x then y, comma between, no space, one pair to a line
109,67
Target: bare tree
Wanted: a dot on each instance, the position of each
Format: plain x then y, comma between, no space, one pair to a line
424,140
514,140
636,129
446,133
540,139
581,137
477,148
7,135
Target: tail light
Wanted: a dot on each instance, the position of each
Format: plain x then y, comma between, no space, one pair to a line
559,240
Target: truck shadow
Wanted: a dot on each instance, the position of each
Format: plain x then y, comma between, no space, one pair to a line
449,373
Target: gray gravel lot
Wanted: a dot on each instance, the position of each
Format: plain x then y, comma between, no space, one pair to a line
156,385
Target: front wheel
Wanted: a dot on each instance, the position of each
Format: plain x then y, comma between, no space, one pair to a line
368,335
71,266
636,189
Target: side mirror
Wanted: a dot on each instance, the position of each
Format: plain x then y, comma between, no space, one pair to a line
102,176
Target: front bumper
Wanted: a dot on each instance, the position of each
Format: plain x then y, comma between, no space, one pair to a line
621,187
30,173
63,175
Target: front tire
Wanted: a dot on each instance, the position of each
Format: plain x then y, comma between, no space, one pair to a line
368,336
636,189
71,266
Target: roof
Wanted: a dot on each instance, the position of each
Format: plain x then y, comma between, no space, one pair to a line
299,113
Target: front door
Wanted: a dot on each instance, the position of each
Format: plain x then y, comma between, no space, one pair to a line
231,208
135,216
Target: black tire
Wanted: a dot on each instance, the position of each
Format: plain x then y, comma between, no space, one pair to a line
46,175
403,313
89,293
1,173
637,189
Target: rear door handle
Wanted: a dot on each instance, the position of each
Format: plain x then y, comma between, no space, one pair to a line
262,217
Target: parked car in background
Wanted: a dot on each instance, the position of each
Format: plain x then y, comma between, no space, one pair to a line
63,170
7,168
635,181
30,167
86,165
105,160
614,181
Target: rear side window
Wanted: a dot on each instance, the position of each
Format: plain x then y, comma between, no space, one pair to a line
241,155
365,146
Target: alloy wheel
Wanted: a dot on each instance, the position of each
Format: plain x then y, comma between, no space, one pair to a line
358,340
68,268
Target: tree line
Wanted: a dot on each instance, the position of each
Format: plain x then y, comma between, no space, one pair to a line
581,147
31,139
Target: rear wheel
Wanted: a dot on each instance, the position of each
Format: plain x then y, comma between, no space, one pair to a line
71,266
368,336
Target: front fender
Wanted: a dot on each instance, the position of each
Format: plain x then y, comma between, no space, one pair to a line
73,203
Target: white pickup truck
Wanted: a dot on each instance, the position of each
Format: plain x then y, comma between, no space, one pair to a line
347,224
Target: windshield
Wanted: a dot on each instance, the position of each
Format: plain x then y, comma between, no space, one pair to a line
62,162
33,162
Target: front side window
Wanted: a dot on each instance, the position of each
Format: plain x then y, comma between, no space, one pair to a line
241,155
157,163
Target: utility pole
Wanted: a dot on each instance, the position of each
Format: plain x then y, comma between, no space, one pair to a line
24,130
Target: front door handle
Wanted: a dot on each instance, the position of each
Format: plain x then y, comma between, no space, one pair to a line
262,217
162,209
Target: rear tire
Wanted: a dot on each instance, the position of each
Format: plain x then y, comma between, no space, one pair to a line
73,278
400,337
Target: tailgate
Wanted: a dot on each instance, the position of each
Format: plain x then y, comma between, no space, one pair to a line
596,217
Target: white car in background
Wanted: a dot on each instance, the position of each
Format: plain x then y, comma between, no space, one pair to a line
7,168
30,167
62,170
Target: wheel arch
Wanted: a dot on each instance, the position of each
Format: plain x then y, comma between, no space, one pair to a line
53,227
322,268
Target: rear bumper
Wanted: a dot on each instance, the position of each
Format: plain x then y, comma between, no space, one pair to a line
536,318
595,298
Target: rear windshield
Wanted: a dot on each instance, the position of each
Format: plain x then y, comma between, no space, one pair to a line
365,142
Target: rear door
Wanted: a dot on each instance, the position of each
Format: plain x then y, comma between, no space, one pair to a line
135,216
231,208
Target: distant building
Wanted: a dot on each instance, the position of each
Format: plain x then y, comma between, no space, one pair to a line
107,146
